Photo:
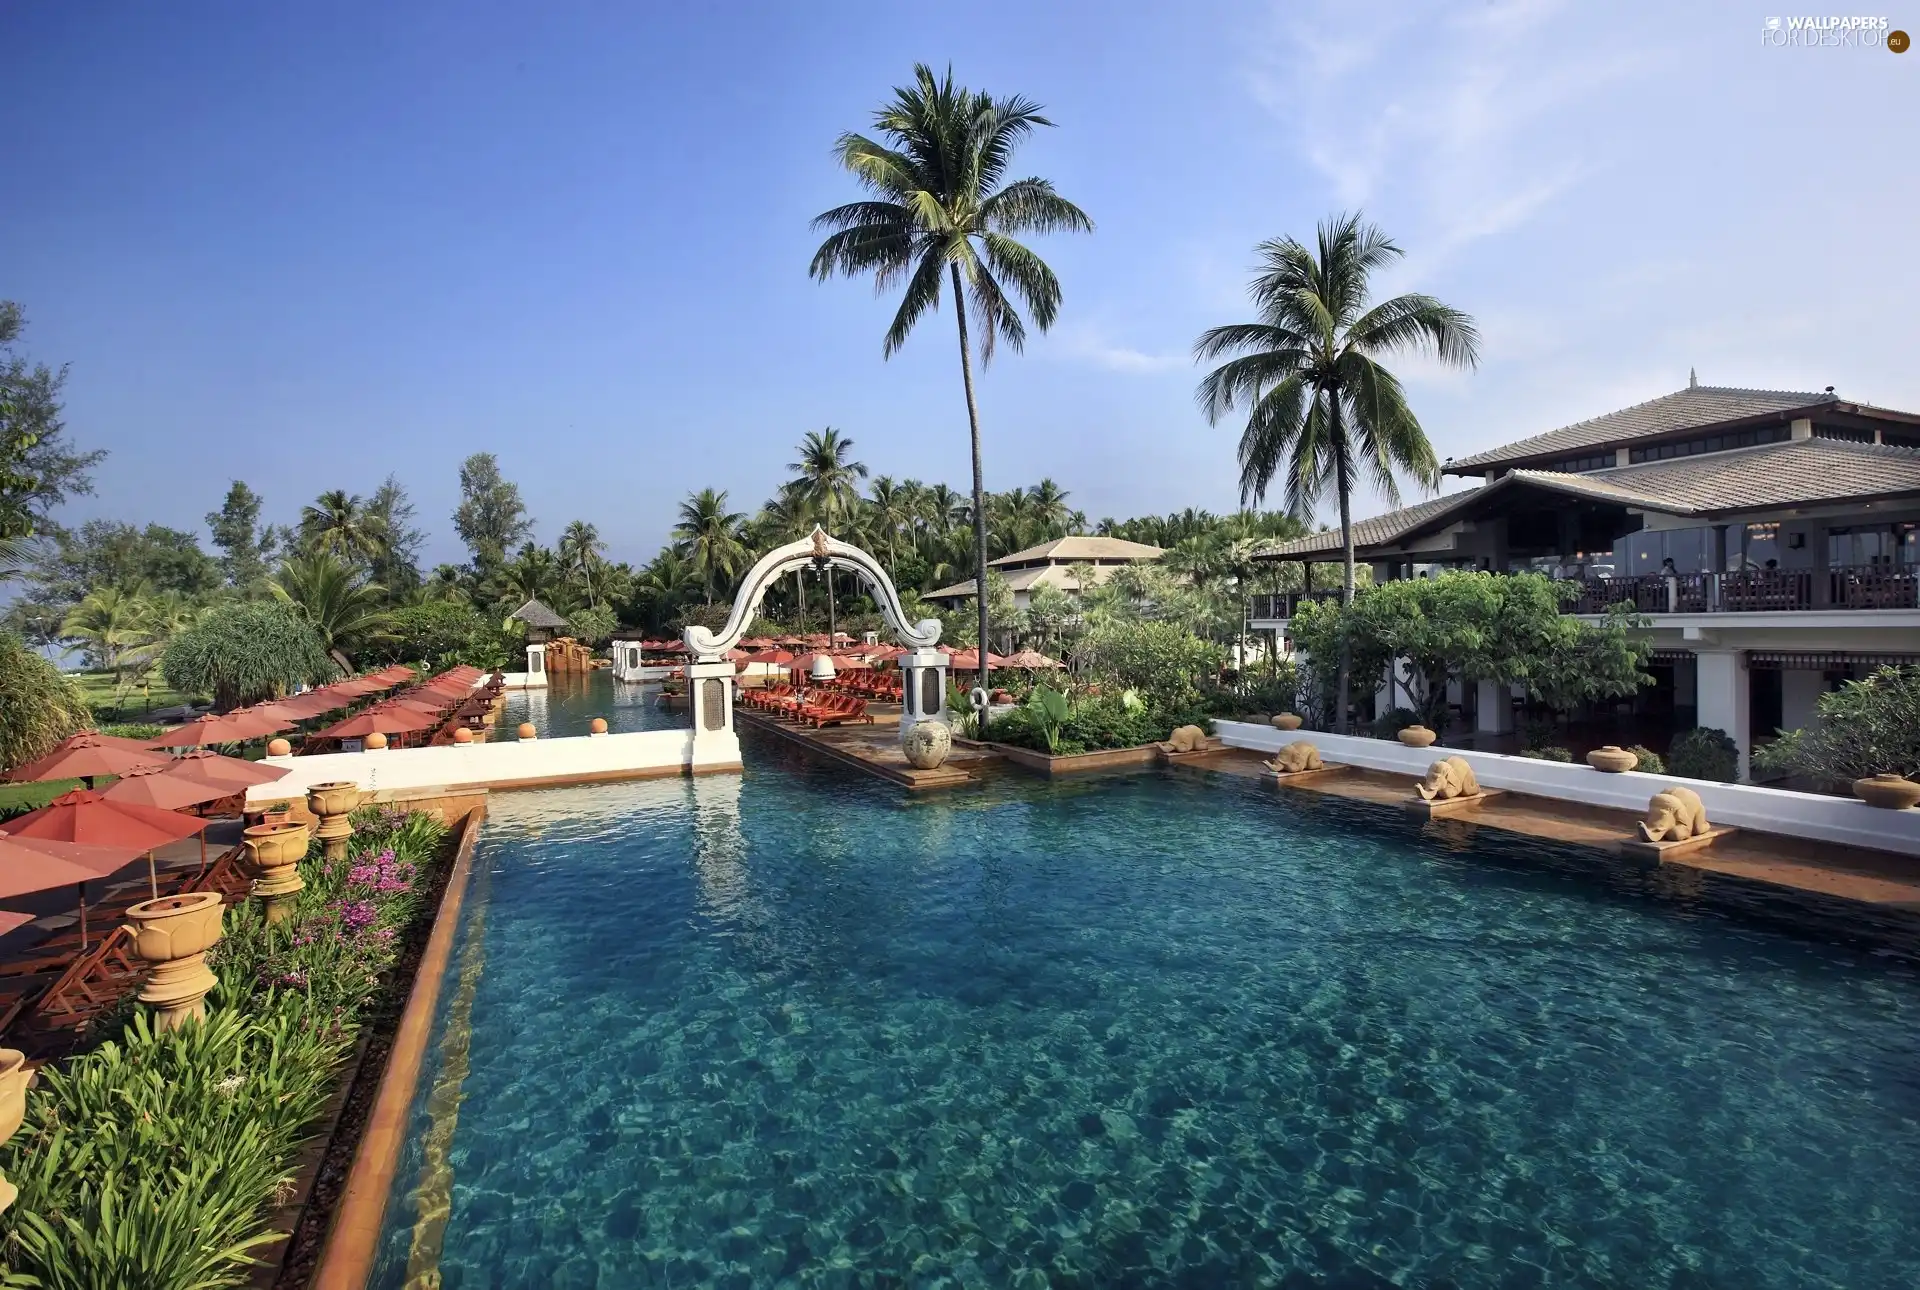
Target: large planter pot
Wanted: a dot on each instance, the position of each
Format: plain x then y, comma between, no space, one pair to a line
1613,759
14,1078
332,802
274,846
1287,721
927,744
1888,791
173,934
1417,737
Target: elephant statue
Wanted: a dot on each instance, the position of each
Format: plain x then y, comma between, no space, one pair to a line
1186,739
1448,778
1296,757
1674,815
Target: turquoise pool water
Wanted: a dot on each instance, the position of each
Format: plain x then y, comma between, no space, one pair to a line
787,1030
570,703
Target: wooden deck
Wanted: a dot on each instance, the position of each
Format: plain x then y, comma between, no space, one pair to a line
1882,883
873,749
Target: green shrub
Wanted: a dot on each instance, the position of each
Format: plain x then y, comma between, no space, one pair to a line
39,706
1550,753
1390,723
245,652
1704,753
134,730
1650,762
1861,729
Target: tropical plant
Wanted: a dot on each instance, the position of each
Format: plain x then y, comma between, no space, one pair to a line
1864,728
709,537
442,634
1647,761
1704,753
1319,404
491,517
582,558
942,213
1048,708
110,622
339,524
244,652
38,705
594,624
344,609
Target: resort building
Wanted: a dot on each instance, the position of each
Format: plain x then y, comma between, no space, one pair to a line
1771,538
1052,563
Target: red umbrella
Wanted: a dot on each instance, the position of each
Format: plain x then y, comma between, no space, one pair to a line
85,816
358,687
159,787
303,707
234,727
1030,659
969,661
87,756
34,864
236,772
10,920
386,721
414,701
778,658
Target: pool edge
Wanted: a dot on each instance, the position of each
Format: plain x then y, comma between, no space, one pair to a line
347,1257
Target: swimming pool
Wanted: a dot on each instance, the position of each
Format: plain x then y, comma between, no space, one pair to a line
570,702
781,1028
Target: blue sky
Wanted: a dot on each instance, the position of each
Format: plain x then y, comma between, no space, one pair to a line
305,245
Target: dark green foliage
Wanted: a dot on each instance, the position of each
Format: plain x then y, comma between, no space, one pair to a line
491,517
1864,728
110,553
245,549
1650,763
1550,753
442,634
1704,753
38,705
1391,723
38,469
242,653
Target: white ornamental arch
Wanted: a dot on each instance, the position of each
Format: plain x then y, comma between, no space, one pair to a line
712,647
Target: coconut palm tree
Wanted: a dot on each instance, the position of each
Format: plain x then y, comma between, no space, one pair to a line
889,512
342,607
709,537
583,557
942,213
827,478
1050,509
112,622
1320,406
661,587
343,525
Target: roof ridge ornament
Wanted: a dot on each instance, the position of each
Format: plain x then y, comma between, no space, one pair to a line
1693,378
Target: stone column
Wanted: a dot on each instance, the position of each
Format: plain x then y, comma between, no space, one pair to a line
1724,699
710,705
1800,691
923,688
536,665
1493,704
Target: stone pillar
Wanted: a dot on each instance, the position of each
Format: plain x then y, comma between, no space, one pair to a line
1493,713
1822,559
710,705
923,688
536,665
1724,699
1800,691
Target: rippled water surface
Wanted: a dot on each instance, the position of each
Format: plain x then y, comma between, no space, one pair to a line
788,1031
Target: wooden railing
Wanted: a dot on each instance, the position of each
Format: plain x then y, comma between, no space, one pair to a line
1755,591
1282,606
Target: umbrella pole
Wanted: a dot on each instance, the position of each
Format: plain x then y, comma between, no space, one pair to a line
82,889
203,855
153,878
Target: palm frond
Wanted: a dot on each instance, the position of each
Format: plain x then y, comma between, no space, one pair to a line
1274,429
1417,322
1027,274
923,293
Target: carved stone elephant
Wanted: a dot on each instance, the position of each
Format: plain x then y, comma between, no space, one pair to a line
1295,757
1674,815
1187,739
1449,777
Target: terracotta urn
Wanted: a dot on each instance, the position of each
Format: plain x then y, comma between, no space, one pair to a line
375,742
1287,721
599,726
14,1078
331,803
927,744
1889,791
1417,737
1613,759
276,851
173,934
463,736
527,731
279,748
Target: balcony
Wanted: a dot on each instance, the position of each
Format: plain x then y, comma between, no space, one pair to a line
1280,608
1758,591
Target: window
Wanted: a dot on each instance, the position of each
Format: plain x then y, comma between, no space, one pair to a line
1710,443
1762,548
1844,435
1580,465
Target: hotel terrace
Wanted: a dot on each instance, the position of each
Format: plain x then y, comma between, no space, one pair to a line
1052,563
1771,539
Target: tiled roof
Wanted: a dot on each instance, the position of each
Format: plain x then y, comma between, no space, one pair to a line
1692,408
1058,575
1799,472
535,614
1068,550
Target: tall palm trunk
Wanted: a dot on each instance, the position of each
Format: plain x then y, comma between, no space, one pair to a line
979,490
1344,481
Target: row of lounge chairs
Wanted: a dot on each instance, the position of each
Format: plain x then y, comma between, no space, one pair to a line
869,684
809,707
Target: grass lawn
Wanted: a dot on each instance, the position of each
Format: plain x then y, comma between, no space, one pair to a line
17,799
137,702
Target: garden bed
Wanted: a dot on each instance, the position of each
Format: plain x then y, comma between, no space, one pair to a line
1071,763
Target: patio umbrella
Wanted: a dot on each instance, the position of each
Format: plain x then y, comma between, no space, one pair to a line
1029,659
234,727
28,865
969,661
159,787
9,920
358,687
87,756
236,772
303,707
386,721
86,816
426,705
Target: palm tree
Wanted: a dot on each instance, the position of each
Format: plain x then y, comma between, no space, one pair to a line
826,478
936,192
709,537
1318,401
1049,507
582,556
889,513
342,525
342,607
112,622
667,580
532,574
